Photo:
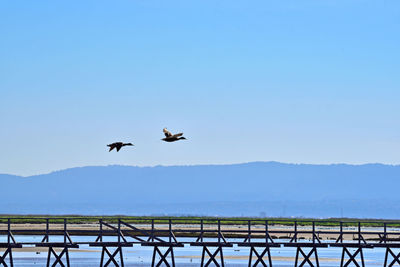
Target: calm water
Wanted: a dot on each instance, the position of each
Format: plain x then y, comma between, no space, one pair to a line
187,256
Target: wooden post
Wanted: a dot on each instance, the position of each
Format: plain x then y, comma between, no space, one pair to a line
47,230
119,231
201,230
384,233
313,231
152,230
219,231
341,232
249,230
101,230
65,231
170,230
9,230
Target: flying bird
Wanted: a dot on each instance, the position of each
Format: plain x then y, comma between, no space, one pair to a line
118,145
169,137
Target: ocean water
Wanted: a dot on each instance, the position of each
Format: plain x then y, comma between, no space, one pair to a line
137,255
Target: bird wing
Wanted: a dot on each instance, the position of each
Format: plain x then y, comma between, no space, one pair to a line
111,147
118,148
167,133
178,134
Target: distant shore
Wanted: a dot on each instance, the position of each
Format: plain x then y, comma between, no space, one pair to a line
287,221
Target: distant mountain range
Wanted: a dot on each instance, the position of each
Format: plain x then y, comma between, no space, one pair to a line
249,189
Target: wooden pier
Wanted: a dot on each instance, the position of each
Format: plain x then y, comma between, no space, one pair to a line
212,235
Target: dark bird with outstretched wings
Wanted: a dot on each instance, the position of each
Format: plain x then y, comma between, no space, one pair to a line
169,137
118,145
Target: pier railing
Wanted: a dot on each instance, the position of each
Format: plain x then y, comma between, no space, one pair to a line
219,230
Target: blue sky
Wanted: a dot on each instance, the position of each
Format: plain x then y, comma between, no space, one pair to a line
291,81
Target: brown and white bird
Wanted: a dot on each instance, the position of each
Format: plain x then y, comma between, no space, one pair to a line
169,137
118,145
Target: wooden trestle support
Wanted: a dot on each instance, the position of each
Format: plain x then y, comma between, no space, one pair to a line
349,256
165,254
260,252
61,258
301,253
264,246
7,254
108,257
8,246
115,256
211,256
394,257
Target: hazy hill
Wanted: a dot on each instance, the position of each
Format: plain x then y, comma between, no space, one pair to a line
275,189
